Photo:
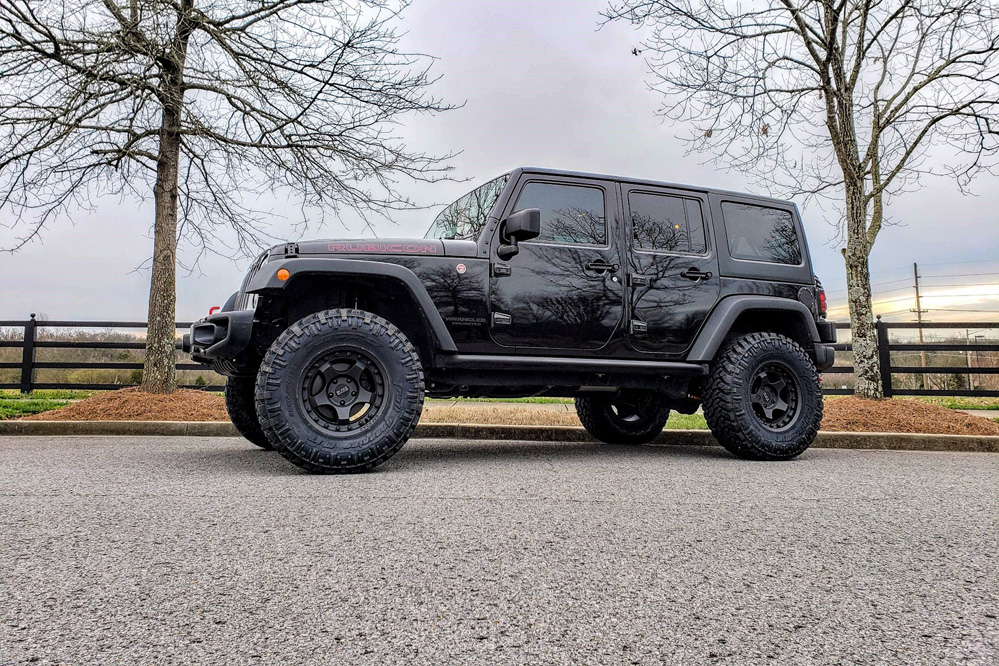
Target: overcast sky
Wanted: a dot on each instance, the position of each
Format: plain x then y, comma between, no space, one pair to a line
541,86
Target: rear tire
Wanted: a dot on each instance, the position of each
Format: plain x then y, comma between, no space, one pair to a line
762,399
631,418
340,391
242,408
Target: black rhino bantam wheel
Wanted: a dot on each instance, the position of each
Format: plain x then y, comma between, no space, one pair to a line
340,391
240,404
762,399
632,417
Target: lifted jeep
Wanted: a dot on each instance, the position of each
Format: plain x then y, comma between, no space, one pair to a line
633,297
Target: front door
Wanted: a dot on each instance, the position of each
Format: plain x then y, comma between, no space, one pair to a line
565,289
673,268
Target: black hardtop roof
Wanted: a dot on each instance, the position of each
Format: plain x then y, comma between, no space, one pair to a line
640,181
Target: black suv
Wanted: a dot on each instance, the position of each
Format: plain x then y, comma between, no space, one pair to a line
633,297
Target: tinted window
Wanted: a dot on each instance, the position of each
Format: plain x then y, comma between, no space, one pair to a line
666,224
761,234
569,213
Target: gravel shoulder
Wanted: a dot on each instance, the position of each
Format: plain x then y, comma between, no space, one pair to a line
201,550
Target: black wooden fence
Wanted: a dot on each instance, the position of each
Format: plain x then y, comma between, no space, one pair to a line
30,343
886,347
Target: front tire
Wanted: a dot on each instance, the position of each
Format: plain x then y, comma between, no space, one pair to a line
762,399
632,417
242,409
340,391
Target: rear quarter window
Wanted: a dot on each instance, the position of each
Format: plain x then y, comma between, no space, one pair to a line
760,233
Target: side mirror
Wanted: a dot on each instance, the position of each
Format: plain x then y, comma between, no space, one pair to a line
521,226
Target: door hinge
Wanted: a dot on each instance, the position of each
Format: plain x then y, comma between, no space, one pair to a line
501,270
638,280
639,327
291,249
502,319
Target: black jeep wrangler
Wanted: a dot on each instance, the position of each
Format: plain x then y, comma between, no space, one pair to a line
633,297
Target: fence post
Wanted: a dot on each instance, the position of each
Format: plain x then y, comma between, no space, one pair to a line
28,355
884,356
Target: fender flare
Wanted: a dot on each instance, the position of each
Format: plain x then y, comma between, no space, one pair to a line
266,280
724,315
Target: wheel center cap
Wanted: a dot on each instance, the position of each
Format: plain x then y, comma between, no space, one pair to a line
342,390
768,395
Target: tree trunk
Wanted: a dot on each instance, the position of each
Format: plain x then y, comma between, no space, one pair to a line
160,370
867,369
159,374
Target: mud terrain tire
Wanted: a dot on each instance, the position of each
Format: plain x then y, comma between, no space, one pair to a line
630,418
242,408
340,391
762,399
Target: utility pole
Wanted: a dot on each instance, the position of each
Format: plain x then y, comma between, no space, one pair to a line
919,318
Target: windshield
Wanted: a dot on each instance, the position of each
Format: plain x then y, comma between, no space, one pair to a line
464,219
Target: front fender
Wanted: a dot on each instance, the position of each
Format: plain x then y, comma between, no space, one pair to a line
266,280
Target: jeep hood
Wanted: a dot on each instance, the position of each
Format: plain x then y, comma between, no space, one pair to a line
396,246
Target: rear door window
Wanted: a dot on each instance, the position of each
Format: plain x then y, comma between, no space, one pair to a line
759,233
662,223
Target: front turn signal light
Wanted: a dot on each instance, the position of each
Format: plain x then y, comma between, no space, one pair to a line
283,274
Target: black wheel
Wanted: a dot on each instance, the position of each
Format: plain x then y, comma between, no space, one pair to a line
242,408
762,399
632,417
340,391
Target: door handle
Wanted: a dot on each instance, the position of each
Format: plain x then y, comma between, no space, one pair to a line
600,267
696,274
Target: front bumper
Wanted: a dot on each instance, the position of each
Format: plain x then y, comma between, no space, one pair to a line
222,336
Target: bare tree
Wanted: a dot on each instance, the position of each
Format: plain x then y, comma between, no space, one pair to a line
205,103
849,99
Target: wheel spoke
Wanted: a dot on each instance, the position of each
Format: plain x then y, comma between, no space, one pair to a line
321,399
343,412
355,372
329,373
363,396
780,406
778,385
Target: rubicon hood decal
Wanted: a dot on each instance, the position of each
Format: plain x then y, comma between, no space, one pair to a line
379,247
372,246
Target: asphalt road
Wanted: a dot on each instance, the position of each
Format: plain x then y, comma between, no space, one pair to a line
184,550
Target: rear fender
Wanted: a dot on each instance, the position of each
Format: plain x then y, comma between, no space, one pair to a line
721,320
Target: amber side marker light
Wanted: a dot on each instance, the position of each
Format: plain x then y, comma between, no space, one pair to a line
283,274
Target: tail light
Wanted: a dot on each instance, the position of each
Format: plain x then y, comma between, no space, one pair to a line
823,308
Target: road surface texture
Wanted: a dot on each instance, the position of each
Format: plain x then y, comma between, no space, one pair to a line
186,550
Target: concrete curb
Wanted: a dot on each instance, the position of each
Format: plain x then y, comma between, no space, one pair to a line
831,440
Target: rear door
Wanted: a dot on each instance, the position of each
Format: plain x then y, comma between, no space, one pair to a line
563,290
673,267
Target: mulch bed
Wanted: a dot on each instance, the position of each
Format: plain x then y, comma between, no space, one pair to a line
849,414
131,404
846,414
